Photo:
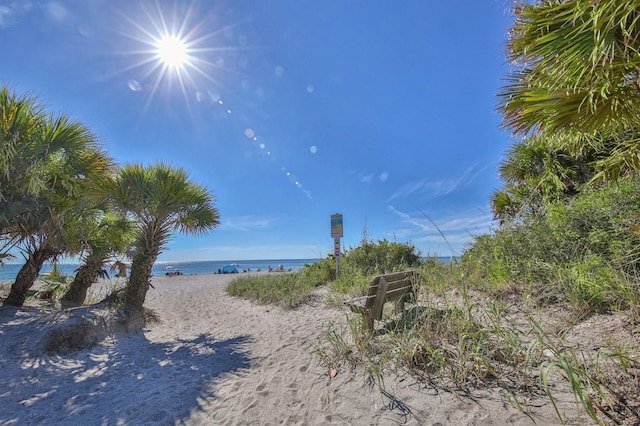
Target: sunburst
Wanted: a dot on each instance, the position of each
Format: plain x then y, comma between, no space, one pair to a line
173,51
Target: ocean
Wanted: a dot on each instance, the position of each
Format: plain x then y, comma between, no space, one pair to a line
9,271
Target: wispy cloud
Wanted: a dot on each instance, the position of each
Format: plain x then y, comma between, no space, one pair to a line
457,230
5,16
245,223
366,176
438,187
10,13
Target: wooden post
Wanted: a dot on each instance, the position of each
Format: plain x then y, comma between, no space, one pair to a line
336,252
336,233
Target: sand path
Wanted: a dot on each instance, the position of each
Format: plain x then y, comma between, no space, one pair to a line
218,360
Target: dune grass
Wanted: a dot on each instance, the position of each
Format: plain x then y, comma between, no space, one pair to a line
464,335
286,290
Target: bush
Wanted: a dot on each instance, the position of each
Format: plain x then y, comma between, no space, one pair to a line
319,273
359,264
585,248
55,285
594,286
383,257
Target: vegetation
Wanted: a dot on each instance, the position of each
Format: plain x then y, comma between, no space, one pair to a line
61,194
102,235
566,240
161,200
567,236
287,290
359,264
48,164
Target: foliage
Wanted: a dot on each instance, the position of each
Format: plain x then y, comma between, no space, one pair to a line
287,290
161,200
101,235
586,249
383,257
319,273
55,284
576,65
537,173
48,164
359,264
593,286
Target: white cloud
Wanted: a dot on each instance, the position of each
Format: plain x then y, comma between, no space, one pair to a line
366,176
244,223
5,16
435,234
9,13
57,11
438,187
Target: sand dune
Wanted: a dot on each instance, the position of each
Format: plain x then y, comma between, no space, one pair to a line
212,359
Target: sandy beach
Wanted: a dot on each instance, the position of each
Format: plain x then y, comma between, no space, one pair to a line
212,359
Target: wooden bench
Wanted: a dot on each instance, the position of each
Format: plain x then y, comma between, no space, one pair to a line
398,287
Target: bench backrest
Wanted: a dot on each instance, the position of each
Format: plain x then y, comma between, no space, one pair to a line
387,288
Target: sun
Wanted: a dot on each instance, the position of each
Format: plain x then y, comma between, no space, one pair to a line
172,51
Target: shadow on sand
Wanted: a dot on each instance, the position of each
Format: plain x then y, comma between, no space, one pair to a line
124,380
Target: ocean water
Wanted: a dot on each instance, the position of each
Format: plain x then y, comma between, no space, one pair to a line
212,267
8,272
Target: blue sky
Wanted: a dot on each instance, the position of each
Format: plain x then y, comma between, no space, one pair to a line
287,110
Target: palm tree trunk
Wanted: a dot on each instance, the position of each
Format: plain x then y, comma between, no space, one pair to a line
87,275
27,276
138,283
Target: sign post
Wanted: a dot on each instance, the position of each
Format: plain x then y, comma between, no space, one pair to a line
336,234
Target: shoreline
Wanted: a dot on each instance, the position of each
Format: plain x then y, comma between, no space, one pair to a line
9,271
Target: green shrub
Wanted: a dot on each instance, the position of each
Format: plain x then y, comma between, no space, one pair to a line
594,286
587,249
383,257
320,273
359,264
55,285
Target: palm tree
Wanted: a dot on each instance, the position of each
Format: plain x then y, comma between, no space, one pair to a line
536,173
101,236
20,118
161,200
577,74
48,163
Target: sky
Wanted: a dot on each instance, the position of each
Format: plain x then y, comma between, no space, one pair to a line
288,111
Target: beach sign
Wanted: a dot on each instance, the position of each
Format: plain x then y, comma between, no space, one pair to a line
336,234
336,226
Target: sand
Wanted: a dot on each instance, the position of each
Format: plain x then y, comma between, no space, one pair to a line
212,359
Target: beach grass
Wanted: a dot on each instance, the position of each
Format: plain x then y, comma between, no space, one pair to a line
470,334
283,289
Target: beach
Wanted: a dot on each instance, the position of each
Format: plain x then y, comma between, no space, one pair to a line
212,359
